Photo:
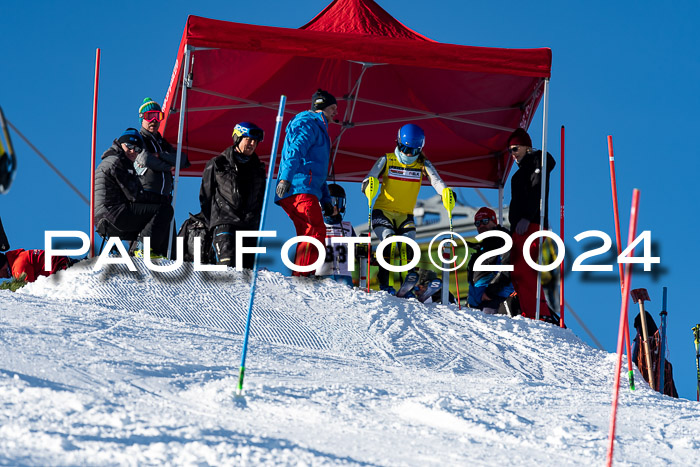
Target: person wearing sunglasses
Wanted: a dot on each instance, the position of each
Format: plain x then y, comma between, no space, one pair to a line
302,174
120,201
524,217
488,289
401,173
156,165
232,193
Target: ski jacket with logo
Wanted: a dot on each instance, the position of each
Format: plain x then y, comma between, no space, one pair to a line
116,184
232,191
158,159
526,187
401,183
31,263
305,156
495,282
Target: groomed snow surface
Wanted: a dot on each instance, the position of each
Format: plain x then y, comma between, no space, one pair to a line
140,368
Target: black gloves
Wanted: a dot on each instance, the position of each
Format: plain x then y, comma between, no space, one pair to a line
283,187
365,182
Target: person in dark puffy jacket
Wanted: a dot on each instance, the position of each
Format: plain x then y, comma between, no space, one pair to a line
156,165
302,174
120,199
232,193
524,217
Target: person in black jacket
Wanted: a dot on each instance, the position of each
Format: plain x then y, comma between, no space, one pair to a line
487,289
524,217
120,199
156,165
232,192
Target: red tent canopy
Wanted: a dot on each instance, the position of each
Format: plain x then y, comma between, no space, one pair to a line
467,99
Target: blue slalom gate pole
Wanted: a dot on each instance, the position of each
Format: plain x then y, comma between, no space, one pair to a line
270,173
662,350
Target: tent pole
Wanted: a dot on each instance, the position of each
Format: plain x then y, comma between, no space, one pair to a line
543,192
186,83
349,112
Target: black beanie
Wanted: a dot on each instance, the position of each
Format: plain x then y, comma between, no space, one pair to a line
322,99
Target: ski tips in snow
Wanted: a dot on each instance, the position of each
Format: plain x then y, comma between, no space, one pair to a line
411,287
408,284
433,287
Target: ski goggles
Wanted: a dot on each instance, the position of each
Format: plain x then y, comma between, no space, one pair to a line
253,133
409,151
479,222
132,147
153,115
339,202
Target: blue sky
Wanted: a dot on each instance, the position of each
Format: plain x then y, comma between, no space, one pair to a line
626,68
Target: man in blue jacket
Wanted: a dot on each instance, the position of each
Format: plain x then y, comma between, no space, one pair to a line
302,174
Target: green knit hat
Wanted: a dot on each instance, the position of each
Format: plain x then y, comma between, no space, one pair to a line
148,104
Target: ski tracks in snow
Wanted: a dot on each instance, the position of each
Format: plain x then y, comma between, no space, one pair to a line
121,368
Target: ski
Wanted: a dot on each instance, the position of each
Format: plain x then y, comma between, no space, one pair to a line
408,284
434,287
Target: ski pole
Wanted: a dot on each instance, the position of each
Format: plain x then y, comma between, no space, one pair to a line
270,173
662,350
613,182
696,332
370,191
448,200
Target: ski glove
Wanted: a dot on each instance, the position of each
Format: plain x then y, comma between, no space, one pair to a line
370,186
283,187
448,200
365,182
522,226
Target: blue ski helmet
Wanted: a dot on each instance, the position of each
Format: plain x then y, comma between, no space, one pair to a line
409,143
337,200
247,129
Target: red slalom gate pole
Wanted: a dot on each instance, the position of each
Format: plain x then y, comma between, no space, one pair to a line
618,239
561,233
92,153
623,324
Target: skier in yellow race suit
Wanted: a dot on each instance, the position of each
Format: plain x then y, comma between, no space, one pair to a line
401,174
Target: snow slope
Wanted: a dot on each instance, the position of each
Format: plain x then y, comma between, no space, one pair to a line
115,367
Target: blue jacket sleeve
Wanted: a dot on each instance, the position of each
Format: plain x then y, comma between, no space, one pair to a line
297,142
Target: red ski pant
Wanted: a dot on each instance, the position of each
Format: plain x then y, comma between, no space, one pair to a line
524,278
304,210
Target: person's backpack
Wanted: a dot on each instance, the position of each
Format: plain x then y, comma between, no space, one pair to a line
196,226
